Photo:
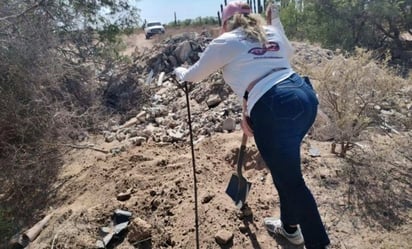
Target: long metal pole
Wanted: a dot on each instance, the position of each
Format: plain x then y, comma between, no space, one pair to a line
193,164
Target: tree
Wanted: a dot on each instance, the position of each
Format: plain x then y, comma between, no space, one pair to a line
389,19
346,24
51,52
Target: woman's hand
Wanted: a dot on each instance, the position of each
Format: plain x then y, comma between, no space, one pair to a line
272,12
246,126
180,72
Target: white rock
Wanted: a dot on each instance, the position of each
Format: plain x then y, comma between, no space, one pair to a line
120,136
141,116
183,51
109,138
137,140
223,237
175,134
229,124
130,122
213,100
139,230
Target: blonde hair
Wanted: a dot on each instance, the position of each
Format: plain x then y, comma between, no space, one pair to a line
252,25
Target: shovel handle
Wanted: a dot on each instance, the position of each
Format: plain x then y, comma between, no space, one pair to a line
241,155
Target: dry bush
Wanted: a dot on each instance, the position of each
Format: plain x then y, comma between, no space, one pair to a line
44,97
49,94
350,92
123,92
6,226
39,107
378,178
353,91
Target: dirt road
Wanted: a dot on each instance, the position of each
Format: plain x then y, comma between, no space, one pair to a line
137,41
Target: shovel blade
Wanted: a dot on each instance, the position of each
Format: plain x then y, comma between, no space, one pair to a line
238,189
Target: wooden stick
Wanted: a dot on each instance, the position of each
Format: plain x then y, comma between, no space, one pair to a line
34,231
87,146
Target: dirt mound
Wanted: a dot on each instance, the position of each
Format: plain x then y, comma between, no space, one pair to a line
160,179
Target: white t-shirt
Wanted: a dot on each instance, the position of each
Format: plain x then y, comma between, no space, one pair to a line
243,61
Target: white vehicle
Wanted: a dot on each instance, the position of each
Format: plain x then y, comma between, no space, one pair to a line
152,28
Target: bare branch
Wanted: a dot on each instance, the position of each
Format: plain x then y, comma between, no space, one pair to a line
23,13
86,146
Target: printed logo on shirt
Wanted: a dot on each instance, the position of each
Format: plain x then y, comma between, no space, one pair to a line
269,47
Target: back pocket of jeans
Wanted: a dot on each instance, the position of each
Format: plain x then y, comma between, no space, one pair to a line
286,105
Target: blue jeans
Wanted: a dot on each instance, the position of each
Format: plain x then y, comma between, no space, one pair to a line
280,119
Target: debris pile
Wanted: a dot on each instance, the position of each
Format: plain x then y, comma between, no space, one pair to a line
163,117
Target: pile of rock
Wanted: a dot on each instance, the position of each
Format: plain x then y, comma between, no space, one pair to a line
123,91
164,118
174,51
214,107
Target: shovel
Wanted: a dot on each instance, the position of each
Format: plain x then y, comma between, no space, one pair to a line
238,187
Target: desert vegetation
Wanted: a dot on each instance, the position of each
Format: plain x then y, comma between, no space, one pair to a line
62,74
53,53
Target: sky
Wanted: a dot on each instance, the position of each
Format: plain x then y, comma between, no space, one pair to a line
163,10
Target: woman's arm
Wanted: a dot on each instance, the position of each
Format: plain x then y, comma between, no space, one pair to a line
217,54
273,19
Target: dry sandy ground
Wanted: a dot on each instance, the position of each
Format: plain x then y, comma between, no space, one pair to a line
161,179
162,194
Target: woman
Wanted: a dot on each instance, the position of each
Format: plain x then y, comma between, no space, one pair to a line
279,107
